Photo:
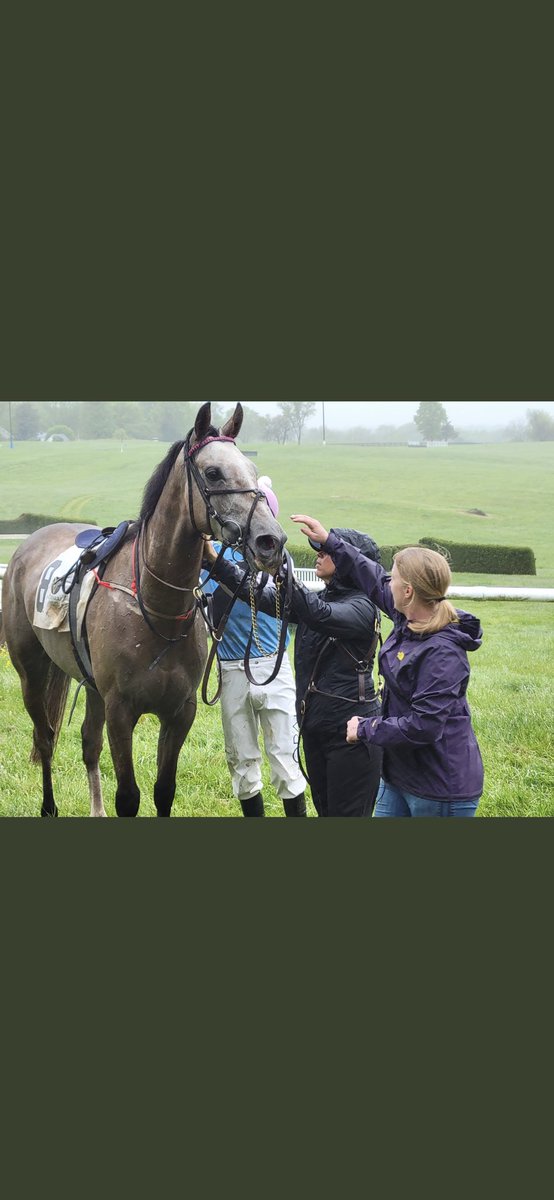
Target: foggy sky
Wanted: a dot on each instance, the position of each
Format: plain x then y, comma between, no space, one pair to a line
463,414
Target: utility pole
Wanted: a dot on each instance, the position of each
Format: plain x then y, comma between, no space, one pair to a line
10,413
323,416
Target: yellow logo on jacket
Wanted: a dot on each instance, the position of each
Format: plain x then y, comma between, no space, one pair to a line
400,655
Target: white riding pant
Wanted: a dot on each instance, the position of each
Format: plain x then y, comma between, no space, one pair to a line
245,708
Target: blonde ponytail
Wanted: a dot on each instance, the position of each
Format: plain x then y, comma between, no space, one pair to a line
428,573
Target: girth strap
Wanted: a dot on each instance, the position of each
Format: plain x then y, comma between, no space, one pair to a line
80,645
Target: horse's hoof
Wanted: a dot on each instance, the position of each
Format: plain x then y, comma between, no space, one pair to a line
45,813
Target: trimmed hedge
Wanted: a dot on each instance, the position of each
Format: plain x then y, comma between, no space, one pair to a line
486,559
302,555
388,553
477,559
30,522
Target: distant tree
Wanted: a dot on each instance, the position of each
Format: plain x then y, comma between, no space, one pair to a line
448,433
71,411
431,419
297,412
276,429
540,425
26,420
171,419
59,412
516,431
97,419
134,416
383,433
65,429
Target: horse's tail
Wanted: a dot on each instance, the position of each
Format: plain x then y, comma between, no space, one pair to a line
57,688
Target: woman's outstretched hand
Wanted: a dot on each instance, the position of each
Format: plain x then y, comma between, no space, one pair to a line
312,528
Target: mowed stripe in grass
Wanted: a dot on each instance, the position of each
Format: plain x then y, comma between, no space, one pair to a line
396,493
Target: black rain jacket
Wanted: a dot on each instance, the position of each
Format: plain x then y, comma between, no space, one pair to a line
337,631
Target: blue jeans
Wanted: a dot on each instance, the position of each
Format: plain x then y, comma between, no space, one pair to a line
391,802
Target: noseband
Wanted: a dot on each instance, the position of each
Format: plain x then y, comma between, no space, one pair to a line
240,540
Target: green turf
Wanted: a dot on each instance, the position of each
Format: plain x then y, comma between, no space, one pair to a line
510,694
398,494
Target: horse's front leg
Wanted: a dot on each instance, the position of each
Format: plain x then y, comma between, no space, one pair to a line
120,723
173,732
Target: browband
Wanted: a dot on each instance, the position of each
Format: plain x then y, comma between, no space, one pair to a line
206,441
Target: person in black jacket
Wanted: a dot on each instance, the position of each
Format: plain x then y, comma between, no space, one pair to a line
334,653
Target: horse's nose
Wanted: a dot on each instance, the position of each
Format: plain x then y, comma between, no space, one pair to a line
268,547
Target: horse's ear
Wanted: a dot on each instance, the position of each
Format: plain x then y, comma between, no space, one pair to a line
233,426
202,423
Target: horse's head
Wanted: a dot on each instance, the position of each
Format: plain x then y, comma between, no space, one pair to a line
226,499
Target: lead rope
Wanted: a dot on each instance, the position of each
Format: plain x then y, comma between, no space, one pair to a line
217,636
265,653
283,627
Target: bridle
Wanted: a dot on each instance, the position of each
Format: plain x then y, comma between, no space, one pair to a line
232,536
235,537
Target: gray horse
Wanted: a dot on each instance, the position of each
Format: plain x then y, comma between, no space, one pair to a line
146,635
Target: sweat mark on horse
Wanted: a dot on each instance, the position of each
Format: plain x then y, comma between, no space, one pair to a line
204,487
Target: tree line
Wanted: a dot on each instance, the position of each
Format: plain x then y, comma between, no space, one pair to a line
164,420
433,424
170,420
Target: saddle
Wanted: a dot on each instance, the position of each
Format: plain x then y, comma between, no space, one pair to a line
97,547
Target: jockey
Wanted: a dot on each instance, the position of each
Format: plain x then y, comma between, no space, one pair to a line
247,708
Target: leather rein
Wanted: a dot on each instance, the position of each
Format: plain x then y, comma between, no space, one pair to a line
234,536
217,633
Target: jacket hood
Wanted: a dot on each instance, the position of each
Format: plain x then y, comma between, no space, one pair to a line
362,542
468,634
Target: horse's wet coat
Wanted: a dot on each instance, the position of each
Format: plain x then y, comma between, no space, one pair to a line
131,673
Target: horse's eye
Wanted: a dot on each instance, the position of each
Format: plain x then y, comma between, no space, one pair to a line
213,474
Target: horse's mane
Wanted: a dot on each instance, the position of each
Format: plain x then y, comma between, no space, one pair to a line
158,480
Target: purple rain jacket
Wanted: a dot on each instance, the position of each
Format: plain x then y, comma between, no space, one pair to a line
425,728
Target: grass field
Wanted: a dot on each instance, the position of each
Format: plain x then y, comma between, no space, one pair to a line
396,494
510,695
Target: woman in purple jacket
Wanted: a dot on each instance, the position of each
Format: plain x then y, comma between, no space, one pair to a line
432,765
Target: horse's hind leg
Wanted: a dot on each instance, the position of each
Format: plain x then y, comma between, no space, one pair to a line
44,693
170,741
91,737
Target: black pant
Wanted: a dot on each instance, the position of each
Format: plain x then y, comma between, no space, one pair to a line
344,779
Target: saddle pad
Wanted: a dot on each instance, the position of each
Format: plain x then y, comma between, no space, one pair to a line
51,603
86,537
98,545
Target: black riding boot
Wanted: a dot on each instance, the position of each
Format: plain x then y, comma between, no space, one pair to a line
253,806
295,807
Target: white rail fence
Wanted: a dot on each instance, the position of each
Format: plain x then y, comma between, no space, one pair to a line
308,577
